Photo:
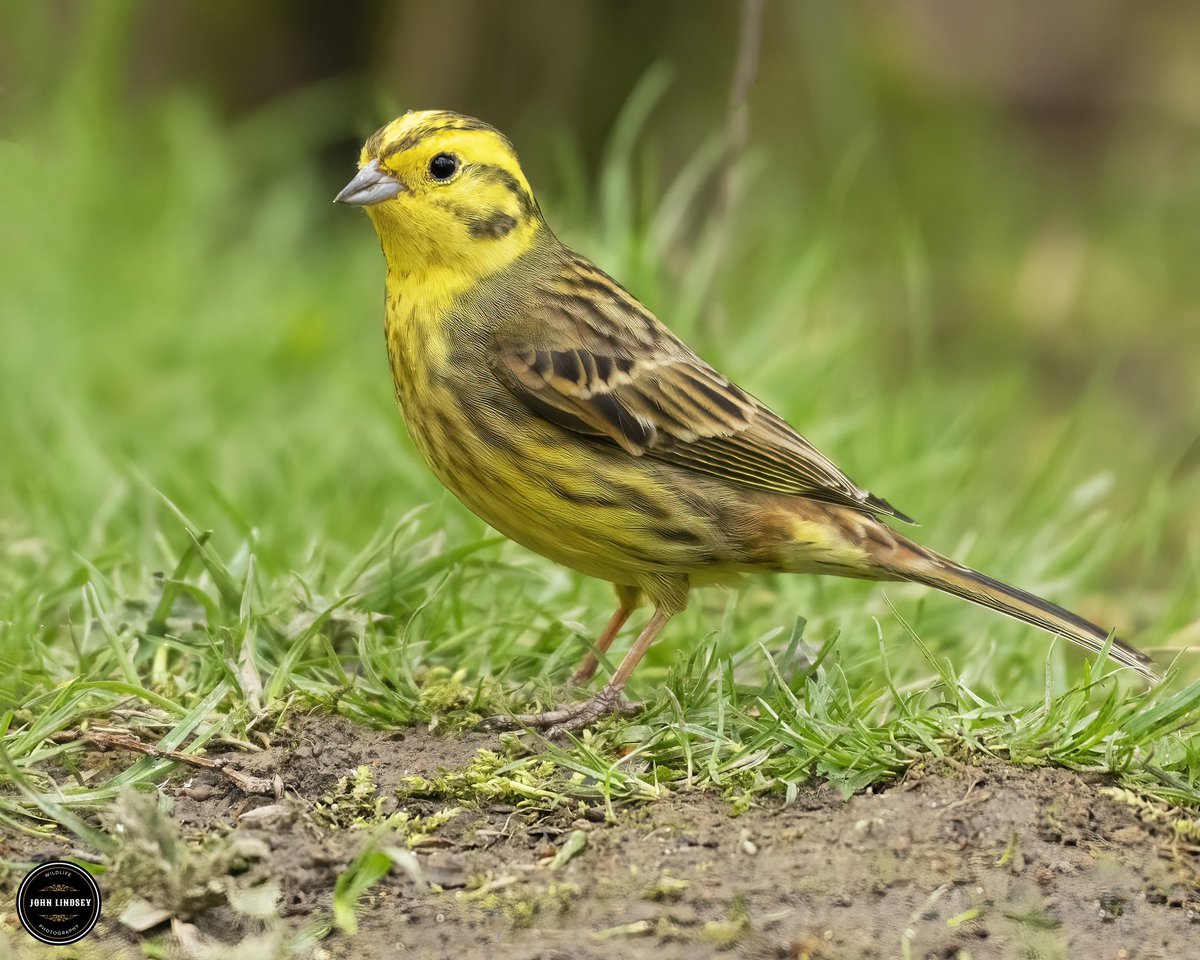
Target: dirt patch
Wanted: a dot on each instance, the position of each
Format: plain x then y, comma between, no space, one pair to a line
955,861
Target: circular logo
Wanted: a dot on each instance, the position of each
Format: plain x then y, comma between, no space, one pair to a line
58,903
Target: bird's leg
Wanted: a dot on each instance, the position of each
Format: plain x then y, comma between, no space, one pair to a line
608,700
627,601
587,669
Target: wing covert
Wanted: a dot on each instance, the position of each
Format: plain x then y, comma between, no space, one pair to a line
594,361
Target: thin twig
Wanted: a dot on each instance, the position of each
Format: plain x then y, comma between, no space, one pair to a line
123,740
146,721
745,70
737,124
966,798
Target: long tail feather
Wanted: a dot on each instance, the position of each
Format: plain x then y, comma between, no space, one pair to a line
950,577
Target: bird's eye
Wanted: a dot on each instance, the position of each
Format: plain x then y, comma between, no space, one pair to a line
443,166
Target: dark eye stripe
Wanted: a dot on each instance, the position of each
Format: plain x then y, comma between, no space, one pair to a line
399,146
491,173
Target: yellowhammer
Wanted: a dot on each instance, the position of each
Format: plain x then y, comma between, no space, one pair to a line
563,413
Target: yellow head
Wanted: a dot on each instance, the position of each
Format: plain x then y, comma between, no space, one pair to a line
445,192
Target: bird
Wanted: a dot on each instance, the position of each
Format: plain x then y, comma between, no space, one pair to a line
562,412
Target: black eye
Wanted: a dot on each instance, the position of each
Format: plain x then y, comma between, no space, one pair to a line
443,166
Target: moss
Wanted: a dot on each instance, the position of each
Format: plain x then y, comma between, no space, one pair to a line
741,803
666,887
449,703
723,934
493,778
523,906
1158,813
353,802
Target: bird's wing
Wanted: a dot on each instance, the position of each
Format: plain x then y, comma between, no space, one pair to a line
639,387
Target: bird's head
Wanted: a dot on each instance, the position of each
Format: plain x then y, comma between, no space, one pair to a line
445,191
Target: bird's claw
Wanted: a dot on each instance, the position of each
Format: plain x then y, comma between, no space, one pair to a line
564,719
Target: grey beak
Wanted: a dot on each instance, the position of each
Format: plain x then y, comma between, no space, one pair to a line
370,185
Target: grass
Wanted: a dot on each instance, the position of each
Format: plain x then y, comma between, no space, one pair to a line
210,514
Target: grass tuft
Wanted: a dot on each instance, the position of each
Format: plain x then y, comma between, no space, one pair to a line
210,517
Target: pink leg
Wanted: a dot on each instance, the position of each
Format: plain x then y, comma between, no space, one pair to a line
587,669
608,700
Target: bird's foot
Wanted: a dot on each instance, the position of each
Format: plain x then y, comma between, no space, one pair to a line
554,722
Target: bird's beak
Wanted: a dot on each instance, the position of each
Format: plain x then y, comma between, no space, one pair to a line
370,185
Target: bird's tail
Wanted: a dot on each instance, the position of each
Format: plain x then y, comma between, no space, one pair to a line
936,571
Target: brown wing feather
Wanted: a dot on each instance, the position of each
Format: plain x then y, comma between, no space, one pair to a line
667,403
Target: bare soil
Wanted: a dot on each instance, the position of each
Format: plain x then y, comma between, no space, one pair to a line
955,861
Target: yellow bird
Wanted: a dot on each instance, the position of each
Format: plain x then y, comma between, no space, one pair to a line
564,414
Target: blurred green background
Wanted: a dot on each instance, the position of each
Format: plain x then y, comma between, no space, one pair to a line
963,261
